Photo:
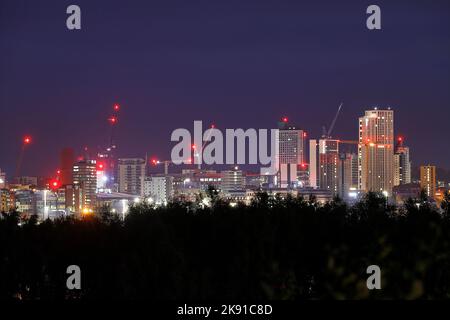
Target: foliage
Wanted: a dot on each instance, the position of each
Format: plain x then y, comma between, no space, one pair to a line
272,249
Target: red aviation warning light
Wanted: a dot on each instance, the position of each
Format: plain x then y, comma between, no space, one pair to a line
100,166
54,184
154,162
193,147
285,119
112,120
27,140
116,107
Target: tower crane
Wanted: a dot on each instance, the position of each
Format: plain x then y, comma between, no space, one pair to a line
25,142
327,134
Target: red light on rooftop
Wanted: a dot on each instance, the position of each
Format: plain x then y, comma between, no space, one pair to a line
58,172
400,139
193,147
116,107
285,119
304,135
100,166
27,140
154,162
213,126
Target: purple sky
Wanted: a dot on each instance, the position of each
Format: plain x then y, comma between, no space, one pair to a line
235,63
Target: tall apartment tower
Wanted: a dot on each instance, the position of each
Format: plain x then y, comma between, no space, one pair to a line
290,154
428,180
376,151
85,177
66,161
131,175
325,165
402,164
348,174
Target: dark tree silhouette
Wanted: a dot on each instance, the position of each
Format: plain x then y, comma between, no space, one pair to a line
275,248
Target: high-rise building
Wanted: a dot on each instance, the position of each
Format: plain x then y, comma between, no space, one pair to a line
428,180
131,175
85,176
348,177
73,198
159,189
66,161
290,155
402,164
376,151
109,167
232,181
2,179
6,200
325,165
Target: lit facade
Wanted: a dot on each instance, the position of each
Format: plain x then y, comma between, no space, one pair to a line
402,164
158,189
376,151
85,176
325,165
131,176
232,181
428,180
290,154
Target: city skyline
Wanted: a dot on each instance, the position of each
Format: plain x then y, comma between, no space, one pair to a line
87,152
241,65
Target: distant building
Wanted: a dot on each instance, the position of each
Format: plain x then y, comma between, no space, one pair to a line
85,176
376,151
131,175
320,195
66,161
325,165
6,200
402,164
406,191
25,202
158,189
27,181
108,160
253,180
2,179
290,154
348,177
440,194
428,180
74,198
50,204
118,203
232,181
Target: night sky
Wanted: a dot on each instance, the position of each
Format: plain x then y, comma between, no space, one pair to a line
239,64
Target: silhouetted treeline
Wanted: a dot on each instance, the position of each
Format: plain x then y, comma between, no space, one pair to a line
273,249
